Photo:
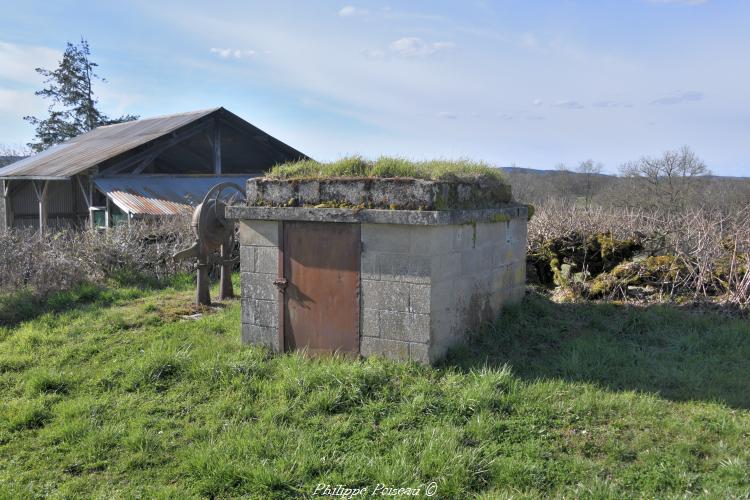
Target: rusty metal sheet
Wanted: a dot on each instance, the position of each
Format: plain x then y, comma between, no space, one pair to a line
321,263
161,194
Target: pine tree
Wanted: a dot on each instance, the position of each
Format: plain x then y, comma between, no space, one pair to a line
73,106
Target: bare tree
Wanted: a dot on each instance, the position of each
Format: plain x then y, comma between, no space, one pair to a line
669,180
590,172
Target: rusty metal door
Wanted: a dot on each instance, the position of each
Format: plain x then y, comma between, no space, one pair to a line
320,265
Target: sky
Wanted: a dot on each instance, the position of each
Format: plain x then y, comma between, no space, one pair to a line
525,83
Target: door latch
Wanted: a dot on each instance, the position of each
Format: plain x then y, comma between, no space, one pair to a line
281,284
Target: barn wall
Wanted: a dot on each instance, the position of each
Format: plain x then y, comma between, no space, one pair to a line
65,205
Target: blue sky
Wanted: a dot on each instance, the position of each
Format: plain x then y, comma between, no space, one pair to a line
529,83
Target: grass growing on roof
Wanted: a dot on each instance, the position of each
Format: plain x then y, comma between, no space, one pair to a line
385,166
119,398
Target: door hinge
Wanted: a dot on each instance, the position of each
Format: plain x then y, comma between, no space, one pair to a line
281,284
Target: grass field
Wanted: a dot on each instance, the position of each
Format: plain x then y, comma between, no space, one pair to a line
110,393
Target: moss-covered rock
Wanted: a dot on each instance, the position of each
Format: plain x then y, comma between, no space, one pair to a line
642,275
590,254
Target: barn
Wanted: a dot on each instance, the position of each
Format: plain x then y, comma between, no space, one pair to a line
151,167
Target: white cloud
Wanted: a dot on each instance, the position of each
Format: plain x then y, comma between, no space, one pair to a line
689,96
568,105
537,102
349,11
18,62
416,47
233,53
447,115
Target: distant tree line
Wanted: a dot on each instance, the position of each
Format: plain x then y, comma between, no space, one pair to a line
675,180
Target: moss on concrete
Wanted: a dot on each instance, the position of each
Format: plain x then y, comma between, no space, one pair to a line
395,193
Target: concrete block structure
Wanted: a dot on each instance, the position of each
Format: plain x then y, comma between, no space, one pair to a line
404,284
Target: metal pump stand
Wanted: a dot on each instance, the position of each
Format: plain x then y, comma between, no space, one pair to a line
213,232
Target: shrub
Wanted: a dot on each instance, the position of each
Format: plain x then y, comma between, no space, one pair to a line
65,259
700,253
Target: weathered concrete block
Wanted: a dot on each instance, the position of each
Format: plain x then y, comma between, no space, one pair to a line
247,258
369,293
393,193
404,326
258,286
309,193
391,349
259,233
406,268
352,192
370,323
266,260
420,353
500,277
419,298
385,295
393,296
278,192
369,269
445,267
501,254
464,236
260,335
386,238
518,228
260,312
490,233
518,270
251,193
476,260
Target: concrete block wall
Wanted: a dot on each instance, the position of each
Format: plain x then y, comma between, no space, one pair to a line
424,287
396,276
259,257
483,271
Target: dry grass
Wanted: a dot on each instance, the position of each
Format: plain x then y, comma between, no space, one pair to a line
69,257
711,248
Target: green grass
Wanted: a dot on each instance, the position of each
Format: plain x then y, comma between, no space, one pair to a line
356,166
122,398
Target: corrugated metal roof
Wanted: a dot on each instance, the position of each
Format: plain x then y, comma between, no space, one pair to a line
89,149
161,195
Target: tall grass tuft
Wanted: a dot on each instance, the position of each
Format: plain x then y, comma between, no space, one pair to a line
386,166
